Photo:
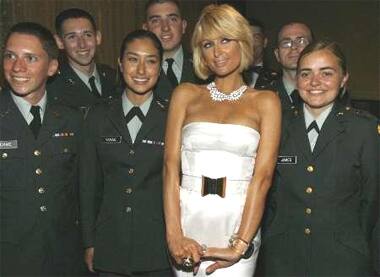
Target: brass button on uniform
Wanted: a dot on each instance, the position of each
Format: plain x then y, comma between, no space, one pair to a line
131,171
309,190
38,171
308,211
43,208
310,168
307,231
65,150
41,190
36,153
131,152
4,155
128,209
128,190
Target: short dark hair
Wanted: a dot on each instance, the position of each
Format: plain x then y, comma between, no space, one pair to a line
326,44
291,23
34,29
257,23
153,2
70,14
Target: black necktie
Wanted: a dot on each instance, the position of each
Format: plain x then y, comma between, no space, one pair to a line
35,125
257,69
94,90
135,111
313,125
294,97
170,73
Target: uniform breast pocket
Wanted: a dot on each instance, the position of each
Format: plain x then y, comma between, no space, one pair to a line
13,165
64,147
62,153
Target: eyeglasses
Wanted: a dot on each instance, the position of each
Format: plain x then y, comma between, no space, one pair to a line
289,43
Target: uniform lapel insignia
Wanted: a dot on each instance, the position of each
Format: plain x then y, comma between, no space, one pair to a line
56,114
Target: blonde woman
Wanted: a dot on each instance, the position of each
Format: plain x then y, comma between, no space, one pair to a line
223,138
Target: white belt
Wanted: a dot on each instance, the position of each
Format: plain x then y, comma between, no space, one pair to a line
194,183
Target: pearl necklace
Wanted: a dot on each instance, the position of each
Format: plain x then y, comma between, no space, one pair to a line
219,96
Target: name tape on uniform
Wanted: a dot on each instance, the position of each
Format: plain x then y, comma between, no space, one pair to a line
287,160
111,140
8,144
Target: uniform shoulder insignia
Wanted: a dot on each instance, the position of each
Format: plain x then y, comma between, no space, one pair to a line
362,113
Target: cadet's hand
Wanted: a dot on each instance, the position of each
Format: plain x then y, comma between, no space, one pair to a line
224,257
183,247
89,258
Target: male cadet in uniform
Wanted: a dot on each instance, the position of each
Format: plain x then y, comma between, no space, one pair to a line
81,82
258,76
163,18
121,170
291,40
39,140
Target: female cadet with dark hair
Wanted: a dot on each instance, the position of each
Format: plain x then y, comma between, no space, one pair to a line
121,170
325,200
223,138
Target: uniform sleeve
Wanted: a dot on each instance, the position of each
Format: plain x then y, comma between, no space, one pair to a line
91,179
370,179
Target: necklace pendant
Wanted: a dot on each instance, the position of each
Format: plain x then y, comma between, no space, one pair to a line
219,96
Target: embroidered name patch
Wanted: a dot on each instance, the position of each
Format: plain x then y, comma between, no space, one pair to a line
287,160
8,144
111,140
153,142
63,134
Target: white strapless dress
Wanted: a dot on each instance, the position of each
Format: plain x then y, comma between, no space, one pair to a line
217,150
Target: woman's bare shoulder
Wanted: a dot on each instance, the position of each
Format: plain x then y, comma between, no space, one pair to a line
263,96
187,92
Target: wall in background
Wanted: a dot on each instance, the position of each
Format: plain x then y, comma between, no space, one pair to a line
354,24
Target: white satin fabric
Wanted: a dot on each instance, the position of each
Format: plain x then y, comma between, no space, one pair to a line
217,150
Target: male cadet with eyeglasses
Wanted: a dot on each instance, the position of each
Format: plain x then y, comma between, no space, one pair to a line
80,81
164,19
291,40
39,140
259,76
